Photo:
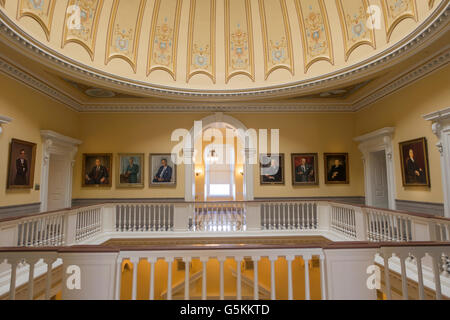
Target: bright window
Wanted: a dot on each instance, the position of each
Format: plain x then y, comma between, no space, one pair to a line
219,175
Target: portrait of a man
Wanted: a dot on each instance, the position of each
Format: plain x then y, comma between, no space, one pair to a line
414,161
97,170
131,171
272,169
304,169
163,170
336,168
22,161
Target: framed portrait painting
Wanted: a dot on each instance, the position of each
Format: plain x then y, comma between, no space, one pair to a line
163,171
271,169
414,163
336,168
22,160
97,170
130,170
305,169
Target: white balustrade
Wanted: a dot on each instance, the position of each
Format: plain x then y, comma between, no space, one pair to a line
420,264
289,215
219,217
144,217
344,222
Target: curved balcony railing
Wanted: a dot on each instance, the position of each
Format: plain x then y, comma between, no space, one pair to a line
336,221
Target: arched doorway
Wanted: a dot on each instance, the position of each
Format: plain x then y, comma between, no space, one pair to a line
243,149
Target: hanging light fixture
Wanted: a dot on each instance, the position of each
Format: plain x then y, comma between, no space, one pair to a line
212,156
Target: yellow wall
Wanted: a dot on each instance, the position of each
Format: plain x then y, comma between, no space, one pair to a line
404,110
32,112
150,133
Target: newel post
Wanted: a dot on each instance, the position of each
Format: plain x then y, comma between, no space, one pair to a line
89,275
361,224
253,216
182,212
71,228
108,218
324,215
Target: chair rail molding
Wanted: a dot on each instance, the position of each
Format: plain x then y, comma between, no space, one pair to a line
67,147
379,140
4,120
441,128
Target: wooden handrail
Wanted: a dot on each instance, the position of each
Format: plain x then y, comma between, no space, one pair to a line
328,246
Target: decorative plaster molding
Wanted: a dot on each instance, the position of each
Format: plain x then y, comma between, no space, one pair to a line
441,128
388,131
37,84
419,71
59,138
4,120
429,30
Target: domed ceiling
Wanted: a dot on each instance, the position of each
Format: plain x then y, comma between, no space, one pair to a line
219,47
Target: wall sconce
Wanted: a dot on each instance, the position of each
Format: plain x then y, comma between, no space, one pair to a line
241,171
198,171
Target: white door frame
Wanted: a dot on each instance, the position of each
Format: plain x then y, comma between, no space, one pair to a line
57,144
380,140
441,128
188,151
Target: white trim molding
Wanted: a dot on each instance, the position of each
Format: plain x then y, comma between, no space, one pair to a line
57,144
4,120
441,128
380,140
218,120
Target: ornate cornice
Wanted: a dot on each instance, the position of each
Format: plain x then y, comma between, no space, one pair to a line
419,71
428,31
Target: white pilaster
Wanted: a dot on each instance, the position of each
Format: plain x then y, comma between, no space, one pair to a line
441,128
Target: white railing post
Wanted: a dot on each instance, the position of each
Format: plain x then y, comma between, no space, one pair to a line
346,273
71,228
361,224
182,211
306,259
324,215
253,216
108,218
96,273
221,280
289,260
273,295
255,277
9,234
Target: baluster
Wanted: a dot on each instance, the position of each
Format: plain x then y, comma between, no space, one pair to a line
322,278
403,258
187,278
420,277
204,261
262,214
255,278
26,225
238,278
135,262
152,261
387,279
31,263
33,232
119,263
306,259
272,277
221,278
169,277
12,285
48,280
289,260
402,231
437,276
